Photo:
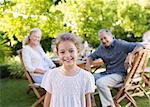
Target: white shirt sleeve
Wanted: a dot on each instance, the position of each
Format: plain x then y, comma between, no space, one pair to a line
46,82
27,60
47,59
90,84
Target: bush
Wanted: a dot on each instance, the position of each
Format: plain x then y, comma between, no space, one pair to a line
4,71
15,67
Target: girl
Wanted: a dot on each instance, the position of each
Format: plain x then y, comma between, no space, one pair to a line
68,85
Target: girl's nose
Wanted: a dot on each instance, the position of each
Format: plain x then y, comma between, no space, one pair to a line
67,54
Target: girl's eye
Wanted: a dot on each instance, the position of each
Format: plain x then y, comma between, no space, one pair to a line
62,52
71,51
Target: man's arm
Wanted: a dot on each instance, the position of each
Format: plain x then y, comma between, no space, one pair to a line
95,55
137,49
130,57
88,64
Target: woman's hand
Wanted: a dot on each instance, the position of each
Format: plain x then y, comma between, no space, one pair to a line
39,71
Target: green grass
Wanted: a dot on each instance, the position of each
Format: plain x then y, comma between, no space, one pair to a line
141,101
148,64
13,94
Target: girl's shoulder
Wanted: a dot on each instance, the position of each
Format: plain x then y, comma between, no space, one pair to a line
87,77
86,73
52,72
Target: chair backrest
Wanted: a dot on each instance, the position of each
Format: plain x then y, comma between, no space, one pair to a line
139,63
27,74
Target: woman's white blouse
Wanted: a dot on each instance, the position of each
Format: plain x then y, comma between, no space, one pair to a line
68,91
34,59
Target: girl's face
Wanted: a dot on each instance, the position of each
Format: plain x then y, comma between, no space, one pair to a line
67,52
35,38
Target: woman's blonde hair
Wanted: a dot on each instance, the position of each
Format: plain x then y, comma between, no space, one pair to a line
27,38
67,37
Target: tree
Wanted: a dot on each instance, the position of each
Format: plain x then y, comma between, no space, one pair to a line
82,17
4,50
123,17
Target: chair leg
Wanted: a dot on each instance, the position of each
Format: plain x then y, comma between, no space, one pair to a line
146,80
93,101
116,103
37,93
129,97
40,100
143,90
118,98
120,93
28,91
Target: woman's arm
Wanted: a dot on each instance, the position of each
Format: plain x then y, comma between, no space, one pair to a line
39,71
27,59
88,100
47,100
47,59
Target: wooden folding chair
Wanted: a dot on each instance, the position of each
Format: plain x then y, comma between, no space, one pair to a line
145,77
35,87
131,86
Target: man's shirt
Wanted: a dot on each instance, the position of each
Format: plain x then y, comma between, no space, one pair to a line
114,55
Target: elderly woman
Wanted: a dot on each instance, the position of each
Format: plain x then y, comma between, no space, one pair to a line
34,58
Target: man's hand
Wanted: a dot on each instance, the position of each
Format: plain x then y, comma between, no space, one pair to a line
88,64
128,61
88,67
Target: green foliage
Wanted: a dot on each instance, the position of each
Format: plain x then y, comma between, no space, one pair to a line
46,44
15,67
4,71
19,18
4,50
82,17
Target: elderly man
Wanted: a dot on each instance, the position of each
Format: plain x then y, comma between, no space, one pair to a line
113,52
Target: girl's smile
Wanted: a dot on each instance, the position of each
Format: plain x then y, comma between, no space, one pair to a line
67,52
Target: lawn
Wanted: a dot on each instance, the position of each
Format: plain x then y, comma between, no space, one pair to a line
13,94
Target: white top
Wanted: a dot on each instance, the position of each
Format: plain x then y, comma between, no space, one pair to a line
68,91
36,58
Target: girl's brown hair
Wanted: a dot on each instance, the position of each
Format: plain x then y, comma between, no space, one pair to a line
67,37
